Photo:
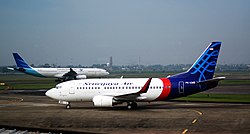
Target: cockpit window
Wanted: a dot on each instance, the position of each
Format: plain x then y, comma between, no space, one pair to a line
58,87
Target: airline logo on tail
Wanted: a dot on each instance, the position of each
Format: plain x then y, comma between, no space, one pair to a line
19,61
205,65
22,66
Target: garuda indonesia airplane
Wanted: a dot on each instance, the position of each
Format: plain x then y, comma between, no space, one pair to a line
110,92
60,73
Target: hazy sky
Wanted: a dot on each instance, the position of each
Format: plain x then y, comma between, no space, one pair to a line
158,31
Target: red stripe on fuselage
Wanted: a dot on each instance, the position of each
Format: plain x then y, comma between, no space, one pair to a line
166,89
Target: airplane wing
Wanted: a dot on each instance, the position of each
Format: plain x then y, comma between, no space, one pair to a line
71,75
134,96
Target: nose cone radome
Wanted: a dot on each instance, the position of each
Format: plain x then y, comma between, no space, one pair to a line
51,93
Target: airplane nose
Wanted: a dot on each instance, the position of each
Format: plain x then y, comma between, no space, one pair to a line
50,93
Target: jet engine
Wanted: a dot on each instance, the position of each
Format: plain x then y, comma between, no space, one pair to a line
104,101
81,77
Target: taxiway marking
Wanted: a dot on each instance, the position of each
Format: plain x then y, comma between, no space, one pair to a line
184,131
194,121
200,113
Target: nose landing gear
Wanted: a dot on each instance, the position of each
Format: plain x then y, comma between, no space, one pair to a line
68,106
65,103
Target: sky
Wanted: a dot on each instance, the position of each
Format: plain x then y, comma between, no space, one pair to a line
86,32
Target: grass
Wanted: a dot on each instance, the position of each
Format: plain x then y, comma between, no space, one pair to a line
235,82
22,81
233,98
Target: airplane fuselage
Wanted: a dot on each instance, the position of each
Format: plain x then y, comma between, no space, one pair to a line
160,89
59,72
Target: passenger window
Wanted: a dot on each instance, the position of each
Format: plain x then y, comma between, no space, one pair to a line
57,87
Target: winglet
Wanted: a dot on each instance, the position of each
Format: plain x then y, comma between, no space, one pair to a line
145,87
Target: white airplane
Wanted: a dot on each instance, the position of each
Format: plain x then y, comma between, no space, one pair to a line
110,92
60,73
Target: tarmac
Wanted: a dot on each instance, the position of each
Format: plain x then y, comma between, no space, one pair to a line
40,112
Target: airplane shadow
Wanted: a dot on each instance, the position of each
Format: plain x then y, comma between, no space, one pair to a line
168,105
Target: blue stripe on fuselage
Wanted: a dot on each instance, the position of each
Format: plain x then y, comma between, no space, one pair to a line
31,71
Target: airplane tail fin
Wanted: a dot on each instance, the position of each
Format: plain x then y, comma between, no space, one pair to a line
20,61
204,67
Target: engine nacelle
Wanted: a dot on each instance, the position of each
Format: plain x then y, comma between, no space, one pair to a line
103,101
81,77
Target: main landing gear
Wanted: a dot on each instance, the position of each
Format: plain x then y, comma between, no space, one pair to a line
132,105
68,106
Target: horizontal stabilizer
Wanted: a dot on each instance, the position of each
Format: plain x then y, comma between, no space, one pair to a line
216,79
10,68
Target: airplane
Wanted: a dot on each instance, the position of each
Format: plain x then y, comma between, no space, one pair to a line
63,74
111,92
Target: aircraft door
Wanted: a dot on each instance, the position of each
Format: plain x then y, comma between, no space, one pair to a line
181,87
71,88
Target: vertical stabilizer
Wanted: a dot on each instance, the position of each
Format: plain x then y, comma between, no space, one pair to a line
20,62
204,67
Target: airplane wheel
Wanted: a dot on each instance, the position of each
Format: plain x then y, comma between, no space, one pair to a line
68,106
132,105
129,107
